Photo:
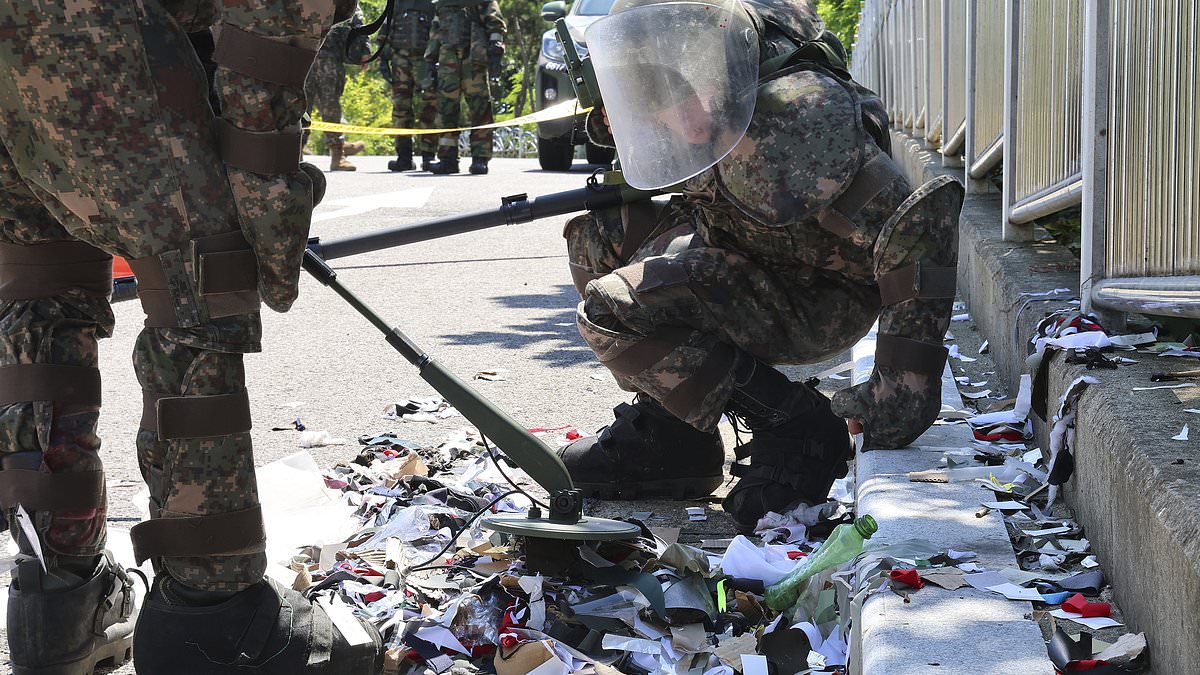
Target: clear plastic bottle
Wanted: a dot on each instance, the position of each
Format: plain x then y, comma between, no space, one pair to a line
843,544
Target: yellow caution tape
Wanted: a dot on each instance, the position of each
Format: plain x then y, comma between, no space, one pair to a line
555,112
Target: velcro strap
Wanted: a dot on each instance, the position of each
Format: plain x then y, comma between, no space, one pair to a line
44,491
322,637
226,274
773,473
646,352
265,152
46,270
224,263
154,292
900,353
76,385
233,533
686,398
203,416
262,58
919,280
878,173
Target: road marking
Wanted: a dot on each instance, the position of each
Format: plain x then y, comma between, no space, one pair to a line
353,206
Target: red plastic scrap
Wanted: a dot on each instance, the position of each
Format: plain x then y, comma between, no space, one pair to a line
908,578
1079,605
795,555
1084,665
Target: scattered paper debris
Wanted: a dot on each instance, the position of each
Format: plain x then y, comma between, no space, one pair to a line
696,513
1182,435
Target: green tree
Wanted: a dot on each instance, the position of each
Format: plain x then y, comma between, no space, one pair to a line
841,18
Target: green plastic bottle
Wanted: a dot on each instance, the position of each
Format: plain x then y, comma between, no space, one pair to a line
843,544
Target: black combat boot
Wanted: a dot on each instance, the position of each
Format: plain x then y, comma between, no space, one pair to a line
798,446
445,165
402,163
646,452
427,162
479,165
60,623
264,630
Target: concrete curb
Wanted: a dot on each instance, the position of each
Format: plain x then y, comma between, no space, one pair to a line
963,631
1149,546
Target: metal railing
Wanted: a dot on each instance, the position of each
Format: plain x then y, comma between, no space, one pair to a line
506,142
1079,102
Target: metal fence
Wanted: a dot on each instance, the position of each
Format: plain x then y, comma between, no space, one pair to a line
1094,103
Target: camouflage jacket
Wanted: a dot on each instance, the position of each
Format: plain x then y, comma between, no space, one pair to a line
466,23
409,25
334,47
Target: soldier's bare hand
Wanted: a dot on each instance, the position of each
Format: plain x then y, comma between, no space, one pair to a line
854,426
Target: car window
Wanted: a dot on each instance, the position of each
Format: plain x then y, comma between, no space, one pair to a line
593,7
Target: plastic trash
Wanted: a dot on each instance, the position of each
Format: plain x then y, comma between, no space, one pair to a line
844,544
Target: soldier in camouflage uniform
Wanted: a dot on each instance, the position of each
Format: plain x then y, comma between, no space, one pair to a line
326,82
467,36
405,38
212,214
784,247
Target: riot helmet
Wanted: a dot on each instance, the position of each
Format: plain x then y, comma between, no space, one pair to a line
678,80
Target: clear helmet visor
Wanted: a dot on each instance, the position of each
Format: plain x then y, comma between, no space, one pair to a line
678,80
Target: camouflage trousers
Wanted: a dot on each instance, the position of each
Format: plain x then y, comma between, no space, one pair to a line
666,311
107,141
413,75
459,76
324,87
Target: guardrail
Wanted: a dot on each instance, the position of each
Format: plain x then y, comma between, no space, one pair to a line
1089,103
506,142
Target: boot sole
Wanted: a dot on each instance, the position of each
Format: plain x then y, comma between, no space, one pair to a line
673,488
110,655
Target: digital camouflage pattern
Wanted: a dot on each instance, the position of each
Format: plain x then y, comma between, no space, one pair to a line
463,31
412,75
327,80
128,163
742,260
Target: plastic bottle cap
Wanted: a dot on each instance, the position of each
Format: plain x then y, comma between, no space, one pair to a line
866,526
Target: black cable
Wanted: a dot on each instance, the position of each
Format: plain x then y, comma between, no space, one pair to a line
491,453
428,563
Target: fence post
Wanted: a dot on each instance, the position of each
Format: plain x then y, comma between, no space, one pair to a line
947,132
1012,55
973,186
1097,56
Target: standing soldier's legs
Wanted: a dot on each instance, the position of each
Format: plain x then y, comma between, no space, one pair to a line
53,306
450,71
165,201
427,109
325,84
697,329
479,112
403,85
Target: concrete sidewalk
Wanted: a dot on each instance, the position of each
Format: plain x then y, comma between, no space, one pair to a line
1135,491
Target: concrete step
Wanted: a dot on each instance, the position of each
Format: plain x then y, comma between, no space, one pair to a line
963,631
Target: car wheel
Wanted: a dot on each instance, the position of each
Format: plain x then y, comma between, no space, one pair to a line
597,154
555,154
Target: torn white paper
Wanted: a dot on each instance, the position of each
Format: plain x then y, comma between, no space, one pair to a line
1182,385
1015,592
1093,622
754,664
30,534
696,513
1182,435
1007,505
